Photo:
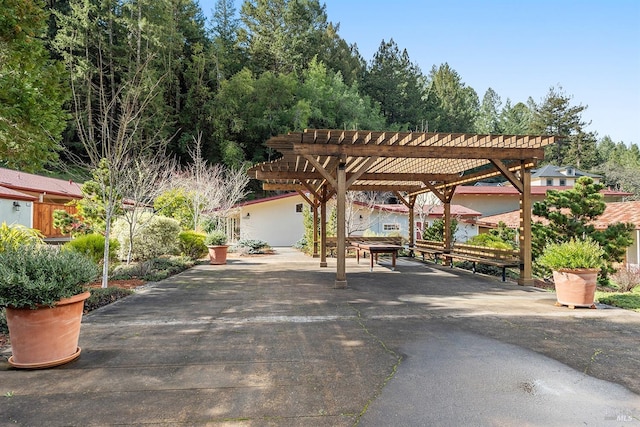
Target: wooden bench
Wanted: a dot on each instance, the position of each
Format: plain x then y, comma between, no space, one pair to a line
502,258
433,248
332,242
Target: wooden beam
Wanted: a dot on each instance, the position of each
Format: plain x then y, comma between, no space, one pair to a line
361,170
366,176
322,170
436,191
304,196
282,187
401,198
421,151
510,176
311,190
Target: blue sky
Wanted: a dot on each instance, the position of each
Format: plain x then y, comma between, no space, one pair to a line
519,48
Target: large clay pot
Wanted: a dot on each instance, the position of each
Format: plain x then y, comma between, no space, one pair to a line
576,287
46,336
218,254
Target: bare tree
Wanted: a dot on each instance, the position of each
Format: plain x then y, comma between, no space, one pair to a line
143,179
359,210
212,190
111,103
425,204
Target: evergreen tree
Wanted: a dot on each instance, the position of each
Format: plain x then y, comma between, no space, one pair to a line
556,116
515,120
398,85
452,106
283,36
33,89
621,166
488,118
326,102
225,26
571,214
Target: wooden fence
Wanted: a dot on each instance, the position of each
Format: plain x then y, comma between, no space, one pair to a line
43,217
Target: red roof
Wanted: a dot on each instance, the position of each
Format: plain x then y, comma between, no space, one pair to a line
7,193
432,210
510,190
615,212
21,181
267,199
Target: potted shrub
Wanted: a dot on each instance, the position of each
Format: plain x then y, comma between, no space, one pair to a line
42,290
575,265
216,241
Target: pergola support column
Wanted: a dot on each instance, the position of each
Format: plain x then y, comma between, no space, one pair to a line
446,232
410,204
526,271
323,227
341,194
315,228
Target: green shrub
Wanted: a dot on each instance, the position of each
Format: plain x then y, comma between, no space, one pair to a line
191,244
174,204
215,238
155,235
15,235
92,245
103,296
575,253
4,329
435,232
247,246
153,269
33,275
489,241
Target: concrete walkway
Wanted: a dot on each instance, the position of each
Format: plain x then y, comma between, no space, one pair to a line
267,341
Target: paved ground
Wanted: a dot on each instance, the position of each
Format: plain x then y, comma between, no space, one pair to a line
268,341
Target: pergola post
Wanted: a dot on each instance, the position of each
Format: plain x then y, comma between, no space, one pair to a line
315,227
341,194
446,232
412,222
323,227
526,272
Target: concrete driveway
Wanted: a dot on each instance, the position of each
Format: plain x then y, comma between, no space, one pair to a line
267,341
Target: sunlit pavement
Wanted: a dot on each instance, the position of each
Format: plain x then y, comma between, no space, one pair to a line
267,341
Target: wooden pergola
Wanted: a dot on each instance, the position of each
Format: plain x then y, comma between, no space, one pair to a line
324,163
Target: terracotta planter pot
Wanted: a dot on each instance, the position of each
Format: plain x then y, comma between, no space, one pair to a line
576,287
218,254
46,336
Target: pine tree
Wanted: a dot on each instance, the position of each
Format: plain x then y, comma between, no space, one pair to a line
452,106
33,89
556,116
398,85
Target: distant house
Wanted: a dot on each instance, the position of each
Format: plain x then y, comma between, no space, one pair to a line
615,212
278,220
496,199
559,176
386,219
30,199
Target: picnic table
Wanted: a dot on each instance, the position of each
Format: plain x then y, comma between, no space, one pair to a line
374,249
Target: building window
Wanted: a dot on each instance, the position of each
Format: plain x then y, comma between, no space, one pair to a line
563,182
390,227
549,182
299,207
